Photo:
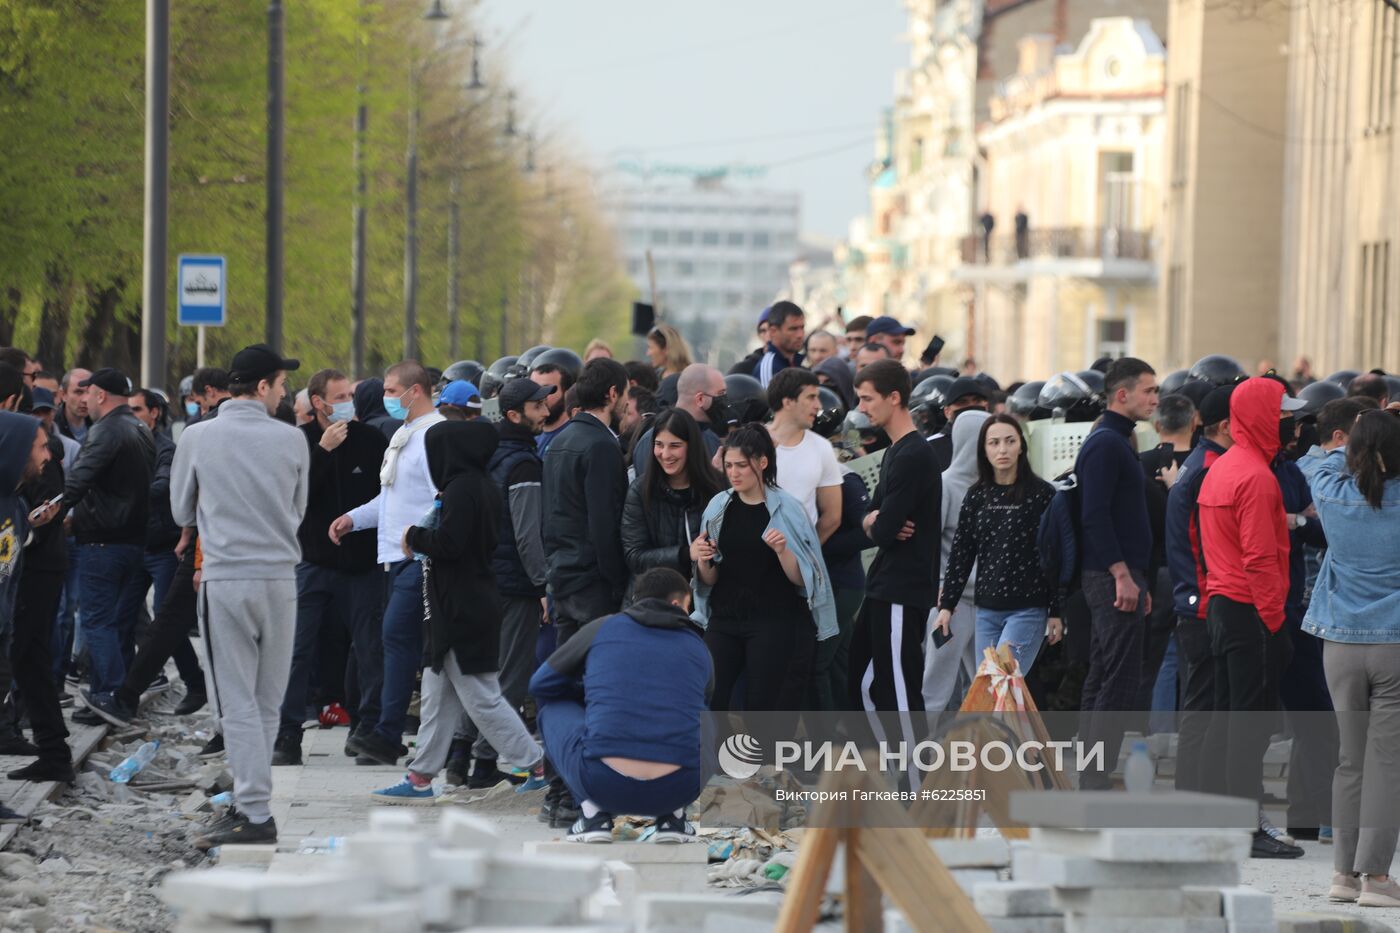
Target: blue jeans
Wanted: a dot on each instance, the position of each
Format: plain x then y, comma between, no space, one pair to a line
66,625
112,584
1022,629
562,726
1163,718
403,645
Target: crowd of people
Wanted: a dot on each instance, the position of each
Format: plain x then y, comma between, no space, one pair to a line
659,536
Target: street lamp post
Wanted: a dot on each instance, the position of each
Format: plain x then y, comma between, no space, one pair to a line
436,13
276,128
454,221
155,235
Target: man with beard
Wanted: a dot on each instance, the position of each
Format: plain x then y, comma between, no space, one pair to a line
518,563
550,374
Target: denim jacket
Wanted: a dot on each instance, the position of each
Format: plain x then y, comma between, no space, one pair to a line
788,516
1356,598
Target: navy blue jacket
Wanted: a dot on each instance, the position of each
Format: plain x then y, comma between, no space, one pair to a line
644,676
1297,496
1181,503
1113,496
16,441
842,550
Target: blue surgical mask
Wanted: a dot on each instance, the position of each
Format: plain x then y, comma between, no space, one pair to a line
395,408
343,411
191,409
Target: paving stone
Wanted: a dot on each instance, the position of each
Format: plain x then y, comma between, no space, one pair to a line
245,895
205,924
972,878
1246,905
684,913
459,830
1122,902
983,852
1202,902
1146,845
1167,809
660,869
730,923
387,820
195,802
1013,899
250,856
1051,868
1081,923
457,870
895,922
516,910
398,860
399,916
552,877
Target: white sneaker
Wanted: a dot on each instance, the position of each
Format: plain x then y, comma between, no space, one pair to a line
1379,893
1346,888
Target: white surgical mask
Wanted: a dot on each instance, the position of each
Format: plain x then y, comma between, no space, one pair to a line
343,411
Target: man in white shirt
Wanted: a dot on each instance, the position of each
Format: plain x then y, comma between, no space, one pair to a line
406,495
807,467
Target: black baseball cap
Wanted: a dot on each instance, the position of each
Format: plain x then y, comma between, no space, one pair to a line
884,324
258,362
517,392
966,385
43,399
1215,407
108,380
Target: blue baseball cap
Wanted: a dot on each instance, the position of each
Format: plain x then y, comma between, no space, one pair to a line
884,324
43,399
460,394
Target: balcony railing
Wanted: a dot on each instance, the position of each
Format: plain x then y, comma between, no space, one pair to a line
1104,243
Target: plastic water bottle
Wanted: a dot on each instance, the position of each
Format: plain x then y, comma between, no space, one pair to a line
1138,773
328,845
134,762
221,800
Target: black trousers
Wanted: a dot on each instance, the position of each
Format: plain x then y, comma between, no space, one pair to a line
1115,669
887,657
164,636
1248,661
1196,678
774,654
576,610
36,608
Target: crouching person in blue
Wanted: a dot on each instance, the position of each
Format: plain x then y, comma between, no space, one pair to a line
649,657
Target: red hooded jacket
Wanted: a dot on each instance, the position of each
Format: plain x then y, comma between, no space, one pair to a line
1244,531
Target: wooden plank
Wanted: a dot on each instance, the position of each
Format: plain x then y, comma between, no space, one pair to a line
904,866
802,903
864,903
82,740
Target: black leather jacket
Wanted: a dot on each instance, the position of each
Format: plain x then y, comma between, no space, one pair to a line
109,488
660,536
585,484
162,534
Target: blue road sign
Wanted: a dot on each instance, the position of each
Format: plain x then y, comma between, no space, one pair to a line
202,286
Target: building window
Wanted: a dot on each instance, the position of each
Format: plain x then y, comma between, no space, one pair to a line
1375,332
733,270
709,238
760,241
660,237
1113,339
1380,112
1176,312
685,237
636,237
735,238
709,269
1181,123
685,269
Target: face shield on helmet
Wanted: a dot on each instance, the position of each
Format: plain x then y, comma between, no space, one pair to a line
1070,397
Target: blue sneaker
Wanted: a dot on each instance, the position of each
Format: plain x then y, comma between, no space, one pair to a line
404,794
1324,835
536,781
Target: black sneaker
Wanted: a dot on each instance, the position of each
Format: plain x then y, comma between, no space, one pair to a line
370,744
44,770
214,747
287,750
565,815
672,829
85,717
159,685
16,744
1266,846
193,702
9,816
485,774
457,771
599,829
108,708
236,830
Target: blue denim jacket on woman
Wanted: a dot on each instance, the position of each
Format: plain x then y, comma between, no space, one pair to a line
788,516
1356,598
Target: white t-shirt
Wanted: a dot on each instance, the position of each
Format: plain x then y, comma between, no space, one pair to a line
806,467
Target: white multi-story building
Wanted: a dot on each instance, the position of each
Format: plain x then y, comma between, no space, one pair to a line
721,252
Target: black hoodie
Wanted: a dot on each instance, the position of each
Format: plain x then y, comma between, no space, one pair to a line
369,407
16,442
462,602
842,380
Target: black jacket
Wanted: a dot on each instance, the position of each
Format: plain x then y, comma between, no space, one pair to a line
369,407
746,366
519,562
660,536
162,534
46,550
109,488
462,604
338,481
585,484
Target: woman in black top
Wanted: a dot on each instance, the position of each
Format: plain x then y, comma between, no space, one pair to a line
997,528
665,504
759,623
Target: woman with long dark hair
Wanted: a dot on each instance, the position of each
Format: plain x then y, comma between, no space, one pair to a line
761,590
997,527
664,506
1355,609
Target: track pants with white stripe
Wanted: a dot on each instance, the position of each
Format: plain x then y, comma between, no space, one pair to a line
887,657
249,627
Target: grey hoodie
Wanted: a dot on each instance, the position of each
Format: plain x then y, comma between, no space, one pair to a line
960,476
242,479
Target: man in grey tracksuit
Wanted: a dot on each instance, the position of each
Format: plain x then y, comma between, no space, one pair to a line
242,478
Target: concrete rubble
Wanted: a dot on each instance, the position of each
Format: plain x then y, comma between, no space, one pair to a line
402,877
